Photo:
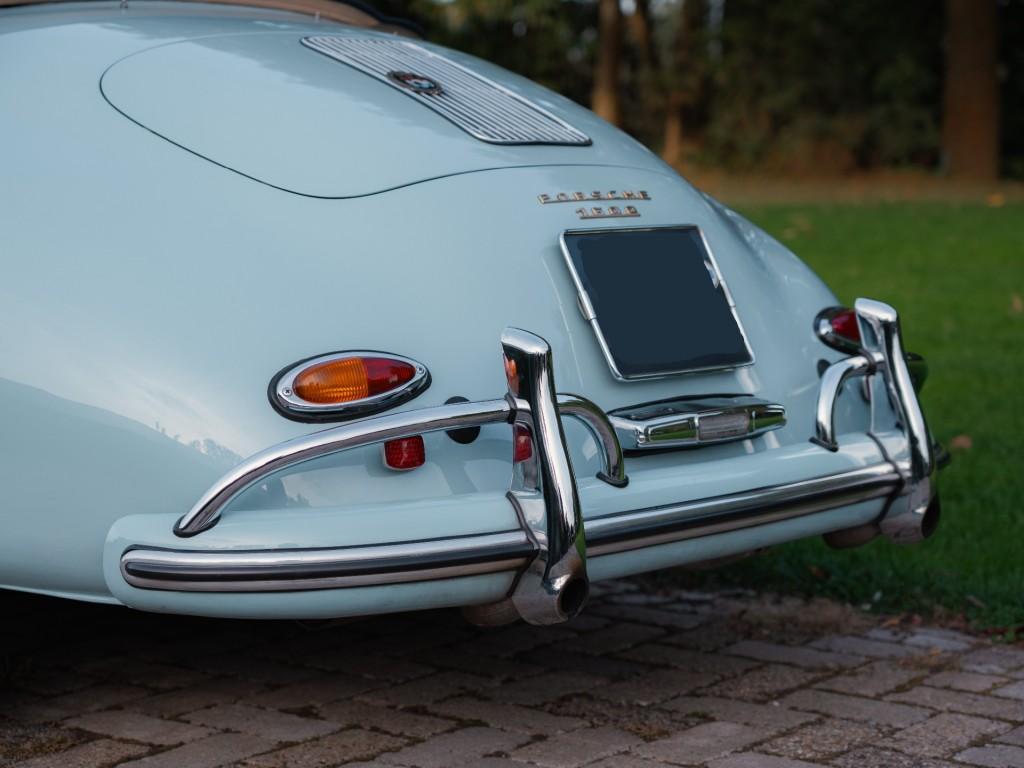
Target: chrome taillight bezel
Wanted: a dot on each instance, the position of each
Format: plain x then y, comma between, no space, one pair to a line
286,402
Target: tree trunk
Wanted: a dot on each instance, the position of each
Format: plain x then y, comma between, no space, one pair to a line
672,145
682,92
970,131
604,99
641,24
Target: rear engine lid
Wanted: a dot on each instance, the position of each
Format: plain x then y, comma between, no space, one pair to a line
352,113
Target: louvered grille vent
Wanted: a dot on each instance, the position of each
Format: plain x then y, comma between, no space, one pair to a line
478,106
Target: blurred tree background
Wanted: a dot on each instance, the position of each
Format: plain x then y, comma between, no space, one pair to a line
809,87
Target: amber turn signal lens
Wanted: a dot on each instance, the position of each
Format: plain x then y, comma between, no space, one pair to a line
351,378
512,375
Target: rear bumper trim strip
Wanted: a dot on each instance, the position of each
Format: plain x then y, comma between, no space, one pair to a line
510,551
721,514
334,568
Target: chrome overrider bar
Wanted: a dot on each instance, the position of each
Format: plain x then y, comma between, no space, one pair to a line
913,513
553,586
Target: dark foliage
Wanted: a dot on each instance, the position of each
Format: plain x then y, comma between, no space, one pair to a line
806,85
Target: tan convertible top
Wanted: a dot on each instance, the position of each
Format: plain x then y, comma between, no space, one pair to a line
332,10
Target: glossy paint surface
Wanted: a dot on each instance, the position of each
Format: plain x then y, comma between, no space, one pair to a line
149,295
315,126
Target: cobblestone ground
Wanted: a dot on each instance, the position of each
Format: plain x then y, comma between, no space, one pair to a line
641,680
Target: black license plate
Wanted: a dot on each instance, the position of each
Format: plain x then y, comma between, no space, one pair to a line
656,300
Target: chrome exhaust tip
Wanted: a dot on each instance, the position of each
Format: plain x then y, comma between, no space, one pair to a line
564,605
908,527
550,599
573,597
914,524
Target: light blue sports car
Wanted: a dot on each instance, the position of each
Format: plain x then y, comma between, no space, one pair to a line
302,316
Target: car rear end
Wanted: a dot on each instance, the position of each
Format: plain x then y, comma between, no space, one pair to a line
345,218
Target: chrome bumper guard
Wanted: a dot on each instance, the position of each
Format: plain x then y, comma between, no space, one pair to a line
548,553
914,511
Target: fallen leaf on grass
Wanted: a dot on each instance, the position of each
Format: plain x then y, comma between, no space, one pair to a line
995,200
961,443
818,572
1016,304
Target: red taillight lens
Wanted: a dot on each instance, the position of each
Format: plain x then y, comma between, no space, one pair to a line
844,323
523,449
405,453
838,328
351,378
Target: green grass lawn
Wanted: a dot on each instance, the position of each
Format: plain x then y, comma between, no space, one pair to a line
956,274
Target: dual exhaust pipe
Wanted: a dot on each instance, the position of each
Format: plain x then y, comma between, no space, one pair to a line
918,528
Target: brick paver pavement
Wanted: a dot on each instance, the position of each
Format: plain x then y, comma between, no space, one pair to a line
645,678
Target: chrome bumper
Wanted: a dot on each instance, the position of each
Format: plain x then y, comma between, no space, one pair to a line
507,551
548,552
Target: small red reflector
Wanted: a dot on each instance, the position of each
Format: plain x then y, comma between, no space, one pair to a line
845,324
523,450
405,453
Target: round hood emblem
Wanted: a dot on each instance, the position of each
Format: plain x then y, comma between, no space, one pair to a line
417,83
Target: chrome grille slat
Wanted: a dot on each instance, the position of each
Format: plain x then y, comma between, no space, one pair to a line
387,60
480,107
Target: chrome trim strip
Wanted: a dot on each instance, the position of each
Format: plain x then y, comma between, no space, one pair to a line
832,382
601,428
310,569
687,423
286,401
587,308
206,511
406,562
620,532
